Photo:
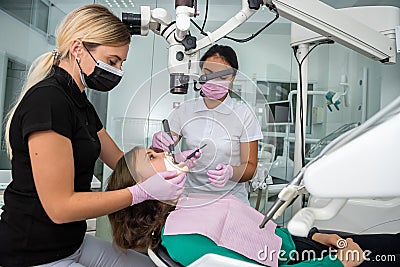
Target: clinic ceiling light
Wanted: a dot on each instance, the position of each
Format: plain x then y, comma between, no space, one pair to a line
119,3
108,3
116,3
123,2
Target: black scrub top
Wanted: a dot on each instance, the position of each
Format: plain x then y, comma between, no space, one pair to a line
27,235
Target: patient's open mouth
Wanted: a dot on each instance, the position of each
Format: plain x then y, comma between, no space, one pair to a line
171,166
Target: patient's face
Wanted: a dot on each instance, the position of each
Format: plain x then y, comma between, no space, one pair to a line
149,163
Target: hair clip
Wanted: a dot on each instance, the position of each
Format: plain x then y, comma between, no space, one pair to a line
56,54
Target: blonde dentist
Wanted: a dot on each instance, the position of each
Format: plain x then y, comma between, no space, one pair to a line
54,136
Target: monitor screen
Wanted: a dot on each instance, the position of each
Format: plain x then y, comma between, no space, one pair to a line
279,112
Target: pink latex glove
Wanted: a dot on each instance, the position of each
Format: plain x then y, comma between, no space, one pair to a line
191,163
161,141
220,176
158,188
215,89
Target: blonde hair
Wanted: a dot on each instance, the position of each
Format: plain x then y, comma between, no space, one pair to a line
93,24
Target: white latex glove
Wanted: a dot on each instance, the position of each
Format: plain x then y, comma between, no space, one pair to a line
220,176
160,186
161,141
191,163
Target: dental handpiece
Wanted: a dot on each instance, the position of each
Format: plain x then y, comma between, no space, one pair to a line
168,131
194,152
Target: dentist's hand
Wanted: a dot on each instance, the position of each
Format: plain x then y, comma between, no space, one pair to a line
160,186
191,163
161,141
220,176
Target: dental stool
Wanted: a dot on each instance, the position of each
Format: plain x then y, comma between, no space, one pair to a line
160,257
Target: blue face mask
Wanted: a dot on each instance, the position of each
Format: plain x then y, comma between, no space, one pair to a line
103,78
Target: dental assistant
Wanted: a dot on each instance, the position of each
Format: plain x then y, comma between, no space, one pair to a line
54,137
229,128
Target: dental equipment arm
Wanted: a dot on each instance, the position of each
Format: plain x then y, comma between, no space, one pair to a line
303,220
288,194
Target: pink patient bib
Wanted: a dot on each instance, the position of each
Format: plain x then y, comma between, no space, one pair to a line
229,223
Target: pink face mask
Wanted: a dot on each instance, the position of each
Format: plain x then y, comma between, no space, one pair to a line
215,89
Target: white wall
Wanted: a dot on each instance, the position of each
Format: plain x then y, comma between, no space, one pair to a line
21,42
327,65
265,57
390,82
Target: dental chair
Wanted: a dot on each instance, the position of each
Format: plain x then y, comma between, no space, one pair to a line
160,257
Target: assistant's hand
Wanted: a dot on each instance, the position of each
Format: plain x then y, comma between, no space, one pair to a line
160,186
161,141
220,176
191,163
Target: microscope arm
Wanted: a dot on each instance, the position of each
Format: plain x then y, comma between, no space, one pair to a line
244,14
336,26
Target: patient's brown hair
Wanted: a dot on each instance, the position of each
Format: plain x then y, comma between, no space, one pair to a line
139,226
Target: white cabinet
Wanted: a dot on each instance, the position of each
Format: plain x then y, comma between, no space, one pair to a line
5,179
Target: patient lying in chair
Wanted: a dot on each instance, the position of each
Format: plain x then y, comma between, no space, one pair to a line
196,225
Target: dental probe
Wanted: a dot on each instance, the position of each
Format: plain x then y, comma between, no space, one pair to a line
194,152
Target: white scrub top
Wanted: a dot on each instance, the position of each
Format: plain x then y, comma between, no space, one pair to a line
222,129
